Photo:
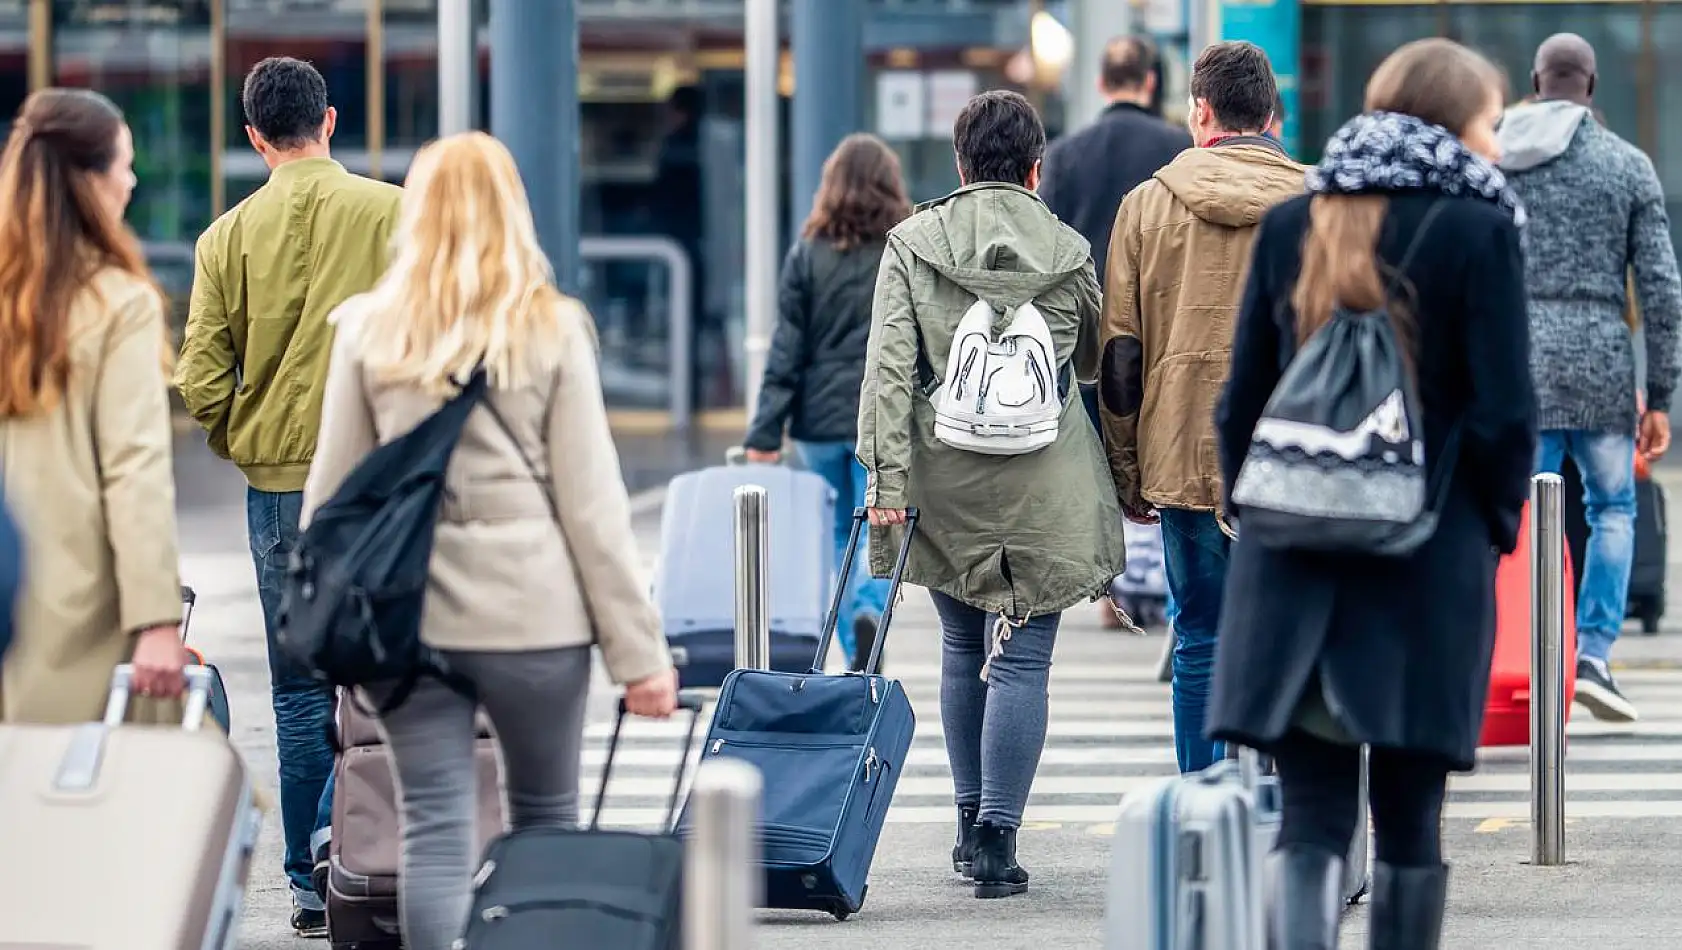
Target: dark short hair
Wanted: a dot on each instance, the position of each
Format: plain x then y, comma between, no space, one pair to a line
998,137
1237,82
1128,61
285,100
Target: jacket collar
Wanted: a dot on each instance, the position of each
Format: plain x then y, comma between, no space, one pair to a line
973,188
1125,108
301,168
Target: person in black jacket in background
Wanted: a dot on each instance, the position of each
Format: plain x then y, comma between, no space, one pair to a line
816,365
1320,654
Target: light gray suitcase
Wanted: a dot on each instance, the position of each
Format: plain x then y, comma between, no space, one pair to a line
149,827
1186,869
1357,867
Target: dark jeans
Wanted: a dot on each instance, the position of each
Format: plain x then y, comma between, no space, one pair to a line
995,728
303,705
1194,554
1405,791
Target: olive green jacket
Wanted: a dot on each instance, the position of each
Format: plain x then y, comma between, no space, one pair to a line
266,275
1022,534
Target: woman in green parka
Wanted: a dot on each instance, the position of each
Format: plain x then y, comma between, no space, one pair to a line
1004,543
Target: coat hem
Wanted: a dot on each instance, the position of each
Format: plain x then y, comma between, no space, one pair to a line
1059,599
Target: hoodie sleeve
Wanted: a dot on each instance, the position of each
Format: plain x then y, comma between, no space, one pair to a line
1657,286
1121,374
890,367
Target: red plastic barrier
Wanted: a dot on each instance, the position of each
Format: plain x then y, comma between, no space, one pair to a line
1506,720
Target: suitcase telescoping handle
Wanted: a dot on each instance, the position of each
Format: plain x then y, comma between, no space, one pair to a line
189,600
834,617
198,696
687,701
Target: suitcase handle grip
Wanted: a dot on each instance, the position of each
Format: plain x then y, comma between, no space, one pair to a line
688,701
834,616
197,696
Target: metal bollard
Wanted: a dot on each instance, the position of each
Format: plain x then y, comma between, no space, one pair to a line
1547,671
753,594
722,883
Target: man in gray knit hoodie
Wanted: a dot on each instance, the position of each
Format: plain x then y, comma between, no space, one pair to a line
1597,212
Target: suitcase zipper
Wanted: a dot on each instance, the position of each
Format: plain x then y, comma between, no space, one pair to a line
717,745
873,699
870,763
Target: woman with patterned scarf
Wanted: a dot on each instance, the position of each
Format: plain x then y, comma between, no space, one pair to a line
1319,655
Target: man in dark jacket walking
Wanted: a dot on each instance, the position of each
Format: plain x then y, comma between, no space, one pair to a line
1597,213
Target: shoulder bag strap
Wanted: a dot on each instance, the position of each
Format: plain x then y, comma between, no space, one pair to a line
1451,443
519,447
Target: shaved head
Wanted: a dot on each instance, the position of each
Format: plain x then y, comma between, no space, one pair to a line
1565,68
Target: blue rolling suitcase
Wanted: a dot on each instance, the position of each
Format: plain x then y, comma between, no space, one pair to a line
695,585
831,750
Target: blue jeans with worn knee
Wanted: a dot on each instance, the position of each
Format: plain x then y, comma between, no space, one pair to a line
303,705
995,728
866,596
1607,463
1194,554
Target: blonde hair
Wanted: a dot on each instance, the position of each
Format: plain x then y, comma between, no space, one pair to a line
468,283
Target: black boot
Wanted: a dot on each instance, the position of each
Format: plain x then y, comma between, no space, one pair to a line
963,853
995,870
1407,907
1304,898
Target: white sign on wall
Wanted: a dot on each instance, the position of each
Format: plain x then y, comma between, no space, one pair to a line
949,91
900,105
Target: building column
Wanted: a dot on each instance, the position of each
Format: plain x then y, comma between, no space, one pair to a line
1094,24
828,47
534,111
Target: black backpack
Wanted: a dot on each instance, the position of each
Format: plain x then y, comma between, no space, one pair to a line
1337,462
356,582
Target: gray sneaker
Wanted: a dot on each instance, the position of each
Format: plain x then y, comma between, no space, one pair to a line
1599,694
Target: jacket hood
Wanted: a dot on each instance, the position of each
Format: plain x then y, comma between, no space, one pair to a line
999,242
1538,132
1232,185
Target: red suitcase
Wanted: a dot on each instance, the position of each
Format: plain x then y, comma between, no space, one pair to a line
1506,720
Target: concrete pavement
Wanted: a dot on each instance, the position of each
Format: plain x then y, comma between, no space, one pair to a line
1110,731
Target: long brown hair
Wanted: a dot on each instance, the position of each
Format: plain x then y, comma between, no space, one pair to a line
862,195
1435,80
56,233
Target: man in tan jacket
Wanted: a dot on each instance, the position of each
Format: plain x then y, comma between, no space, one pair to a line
1178,259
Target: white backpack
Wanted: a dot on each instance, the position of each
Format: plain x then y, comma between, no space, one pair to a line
1000,394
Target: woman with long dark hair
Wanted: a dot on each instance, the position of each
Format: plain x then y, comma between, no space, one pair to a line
84,418
1322,654
812,378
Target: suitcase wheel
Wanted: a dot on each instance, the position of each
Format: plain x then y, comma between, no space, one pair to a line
839,911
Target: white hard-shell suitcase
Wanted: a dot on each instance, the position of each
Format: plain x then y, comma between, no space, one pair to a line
152,827
1186,869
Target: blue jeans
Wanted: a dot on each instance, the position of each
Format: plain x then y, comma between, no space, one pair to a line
1194,554
303,705
867,596
1607,463
995,728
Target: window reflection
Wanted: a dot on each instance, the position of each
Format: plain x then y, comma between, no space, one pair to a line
333,36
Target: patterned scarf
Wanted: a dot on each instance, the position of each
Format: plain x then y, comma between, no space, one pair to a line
1388,151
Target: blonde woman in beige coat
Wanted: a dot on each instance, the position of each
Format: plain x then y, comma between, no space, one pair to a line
521,585
84,418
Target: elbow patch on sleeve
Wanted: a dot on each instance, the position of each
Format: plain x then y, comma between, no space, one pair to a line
1120,380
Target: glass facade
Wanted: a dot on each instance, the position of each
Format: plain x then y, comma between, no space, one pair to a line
1638,45
662,128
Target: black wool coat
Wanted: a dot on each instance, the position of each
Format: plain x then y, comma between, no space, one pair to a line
1402,645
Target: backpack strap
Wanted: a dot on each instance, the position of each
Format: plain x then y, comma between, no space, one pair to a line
1451,444
1414,245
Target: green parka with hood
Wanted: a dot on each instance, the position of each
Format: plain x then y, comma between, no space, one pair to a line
1022,534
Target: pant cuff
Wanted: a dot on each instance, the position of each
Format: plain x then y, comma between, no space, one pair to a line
307,899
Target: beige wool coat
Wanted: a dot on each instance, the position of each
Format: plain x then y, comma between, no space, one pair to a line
504,576
91,484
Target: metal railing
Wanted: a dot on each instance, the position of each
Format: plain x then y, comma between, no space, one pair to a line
1547,671
664,250
753,594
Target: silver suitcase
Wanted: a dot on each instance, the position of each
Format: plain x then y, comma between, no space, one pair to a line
1186,870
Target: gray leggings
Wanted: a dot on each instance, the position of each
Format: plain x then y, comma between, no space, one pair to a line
995,729
535,701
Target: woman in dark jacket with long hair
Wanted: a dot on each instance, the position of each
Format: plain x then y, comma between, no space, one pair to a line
1320,654
812,378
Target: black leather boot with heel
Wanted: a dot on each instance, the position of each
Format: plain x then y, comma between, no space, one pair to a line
963,853
995,870
1407,907
1305,898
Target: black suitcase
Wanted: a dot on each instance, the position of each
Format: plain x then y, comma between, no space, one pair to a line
560,888
1646,600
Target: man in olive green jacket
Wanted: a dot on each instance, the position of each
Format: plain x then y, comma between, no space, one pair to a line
252,370
1002,539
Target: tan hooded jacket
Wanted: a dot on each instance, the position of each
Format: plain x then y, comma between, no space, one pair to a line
1179,256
